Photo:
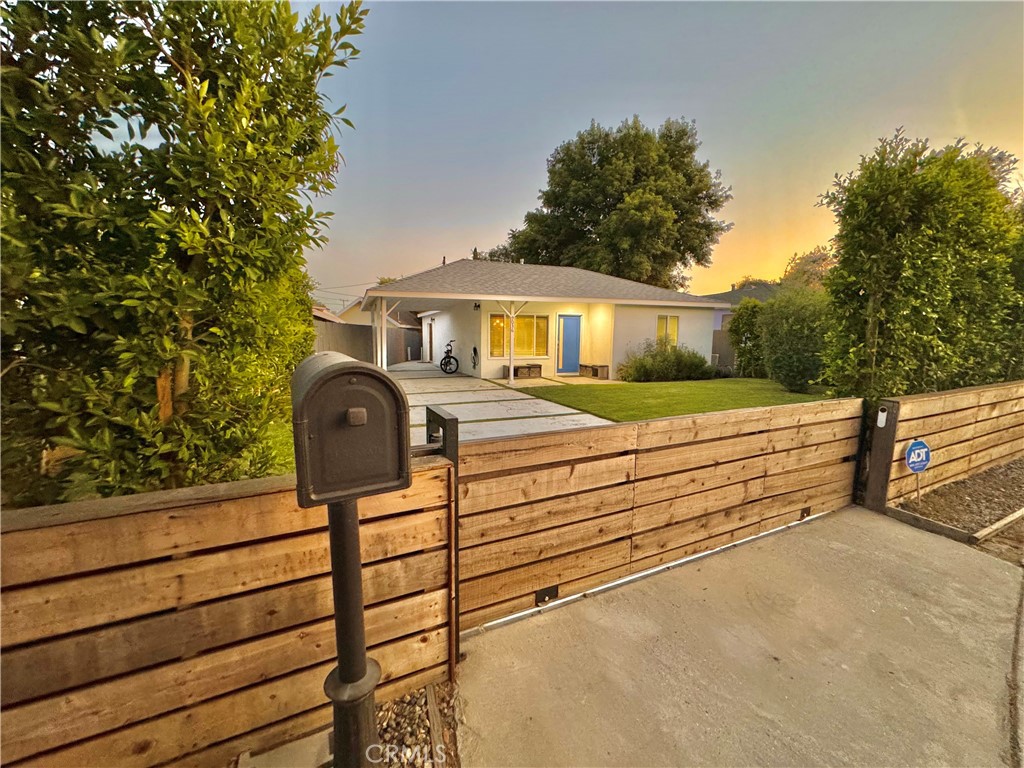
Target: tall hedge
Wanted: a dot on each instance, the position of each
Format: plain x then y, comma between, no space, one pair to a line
745,337
922,293
158,161
793,327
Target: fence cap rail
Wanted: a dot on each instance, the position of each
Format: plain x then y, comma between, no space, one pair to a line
26,518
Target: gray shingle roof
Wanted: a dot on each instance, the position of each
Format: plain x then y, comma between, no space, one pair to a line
491,279
758,291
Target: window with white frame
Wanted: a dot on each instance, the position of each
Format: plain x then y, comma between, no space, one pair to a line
668,329
531,335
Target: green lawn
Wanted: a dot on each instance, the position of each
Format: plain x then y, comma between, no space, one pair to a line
636,402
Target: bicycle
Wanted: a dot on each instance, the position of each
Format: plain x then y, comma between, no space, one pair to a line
449,363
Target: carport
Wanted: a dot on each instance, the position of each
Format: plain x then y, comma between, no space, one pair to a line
850,640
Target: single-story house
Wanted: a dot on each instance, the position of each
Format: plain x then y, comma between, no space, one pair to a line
531,319
759,290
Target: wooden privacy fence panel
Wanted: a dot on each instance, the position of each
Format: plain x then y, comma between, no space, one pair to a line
577,509
187,633
968,431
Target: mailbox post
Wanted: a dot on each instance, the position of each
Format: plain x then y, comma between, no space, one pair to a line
351,429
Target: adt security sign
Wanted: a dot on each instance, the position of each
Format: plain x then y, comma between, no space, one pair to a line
919,456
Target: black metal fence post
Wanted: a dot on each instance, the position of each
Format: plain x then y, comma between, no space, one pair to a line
440,420
883,442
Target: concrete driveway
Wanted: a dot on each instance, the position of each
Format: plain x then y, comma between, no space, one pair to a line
850,640
484,409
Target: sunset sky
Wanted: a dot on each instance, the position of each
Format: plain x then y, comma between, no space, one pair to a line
457,107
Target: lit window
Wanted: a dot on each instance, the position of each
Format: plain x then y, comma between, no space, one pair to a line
531,335
668,329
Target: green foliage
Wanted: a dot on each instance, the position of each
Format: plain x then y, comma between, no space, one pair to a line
630,202
663,361
809,269
154,300
922,294
745,336
793,327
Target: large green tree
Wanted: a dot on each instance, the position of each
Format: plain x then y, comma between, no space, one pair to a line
156,158
631,202
922,293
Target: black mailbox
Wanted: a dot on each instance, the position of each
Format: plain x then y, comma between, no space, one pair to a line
351,428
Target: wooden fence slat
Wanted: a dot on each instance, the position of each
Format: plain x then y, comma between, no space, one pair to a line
677,430
495,611
49,723
402,535
808,435
711,525
429,489
178,733
496,587
508,553
697,480
928,425
680,458
917,406
813,455
945,453
68,662
485,527
505,491
532,451
696,504
958,469
815,412
63,550
808,478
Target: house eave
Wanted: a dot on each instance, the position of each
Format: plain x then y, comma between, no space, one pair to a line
372,294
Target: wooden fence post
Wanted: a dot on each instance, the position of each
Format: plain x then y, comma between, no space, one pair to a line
883,442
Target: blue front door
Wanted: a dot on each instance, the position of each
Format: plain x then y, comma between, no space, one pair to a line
568,344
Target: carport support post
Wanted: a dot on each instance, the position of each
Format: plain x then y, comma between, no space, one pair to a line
351,684
511,313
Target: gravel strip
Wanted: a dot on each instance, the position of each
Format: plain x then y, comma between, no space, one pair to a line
976,502
404,728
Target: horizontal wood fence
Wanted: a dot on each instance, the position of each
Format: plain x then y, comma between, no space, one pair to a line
968,431
573,510
186,627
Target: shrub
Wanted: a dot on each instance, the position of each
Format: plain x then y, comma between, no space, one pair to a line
745,337
793,327
159,163
662,361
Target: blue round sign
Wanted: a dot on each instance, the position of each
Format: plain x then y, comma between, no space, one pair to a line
919,456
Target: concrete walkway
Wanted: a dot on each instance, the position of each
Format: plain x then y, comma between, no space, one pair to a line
484,408
850,640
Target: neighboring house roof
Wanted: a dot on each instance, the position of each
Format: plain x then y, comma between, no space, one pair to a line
758,291
503,281
323,313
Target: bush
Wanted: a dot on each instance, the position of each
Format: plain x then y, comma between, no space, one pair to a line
793,328
745,337
662,361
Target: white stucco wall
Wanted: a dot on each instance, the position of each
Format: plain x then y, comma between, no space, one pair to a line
460,324
635,324
595,335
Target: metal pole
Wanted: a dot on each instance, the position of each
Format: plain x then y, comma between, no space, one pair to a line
350,685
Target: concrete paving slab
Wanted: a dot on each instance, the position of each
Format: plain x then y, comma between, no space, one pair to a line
434,373
481,430
466,396
850,640
449,384
501,409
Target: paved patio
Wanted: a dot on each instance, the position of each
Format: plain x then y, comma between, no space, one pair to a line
850,640
484,408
